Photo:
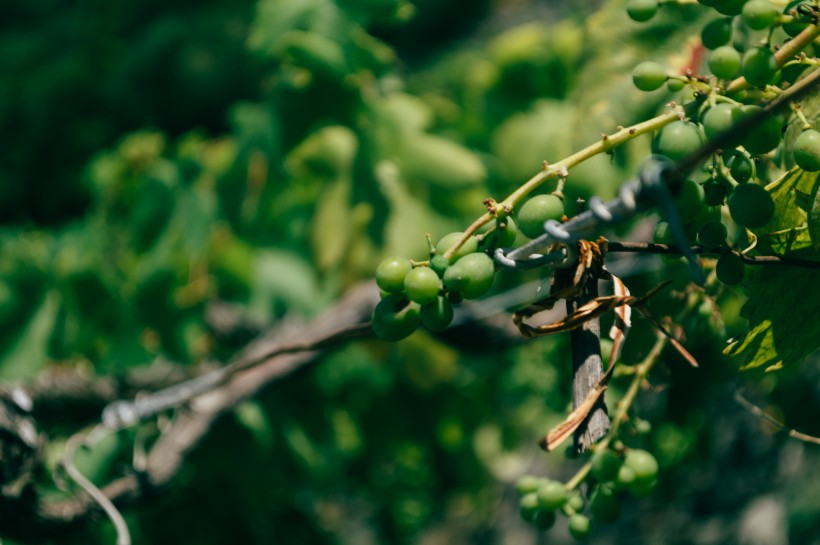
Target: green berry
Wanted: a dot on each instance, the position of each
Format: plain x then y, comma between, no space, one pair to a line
544,520
730,269
649,76
643,463
741,167
725,62
714,193
528,506
801,21
502,234
765,135
751,206
576,502
605,465
536,211
729,7
626,476
807,150
438,315
527,484
716,33
580,527
603,505
395,318
552,495
678,139
471,276
718,119
689,199
390,273
422,285
759,14
758,66
712,234
439,264
675,85
641,10
449,240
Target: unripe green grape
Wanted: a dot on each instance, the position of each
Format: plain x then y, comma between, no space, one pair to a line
759,14
714,193
641,10
390,273
448,241
643,463
422,285
709,3
678,139
716,33
663,234
758,66
395,318
765,135
751,206
724,62
730,269
718,119
689,200
528,506
552,495
527,484
502,235
454,297
605,465
640,488
471,276
438,315
536,211
544,520
604,506
800,23
675,85
576,502
729,7
626,476
439,264
741,167
649,76
807,150
712,234
580,527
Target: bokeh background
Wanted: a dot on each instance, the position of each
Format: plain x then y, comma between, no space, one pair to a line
159,158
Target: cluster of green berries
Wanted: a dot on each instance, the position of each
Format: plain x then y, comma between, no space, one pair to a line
733,178
612,473
729,59
754,14
423,293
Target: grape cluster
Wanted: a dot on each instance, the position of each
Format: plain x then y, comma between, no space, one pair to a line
423,293
632,471
731,181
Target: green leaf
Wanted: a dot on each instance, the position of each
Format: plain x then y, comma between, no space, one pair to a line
786,232
28,356
331,226
783,330
814,213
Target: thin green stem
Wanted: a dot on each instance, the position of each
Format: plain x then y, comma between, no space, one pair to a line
561,168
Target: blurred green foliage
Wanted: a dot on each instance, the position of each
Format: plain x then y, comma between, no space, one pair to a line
269,154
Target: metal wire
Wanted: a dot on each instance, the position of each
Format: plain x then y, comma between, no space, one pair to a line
643,192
